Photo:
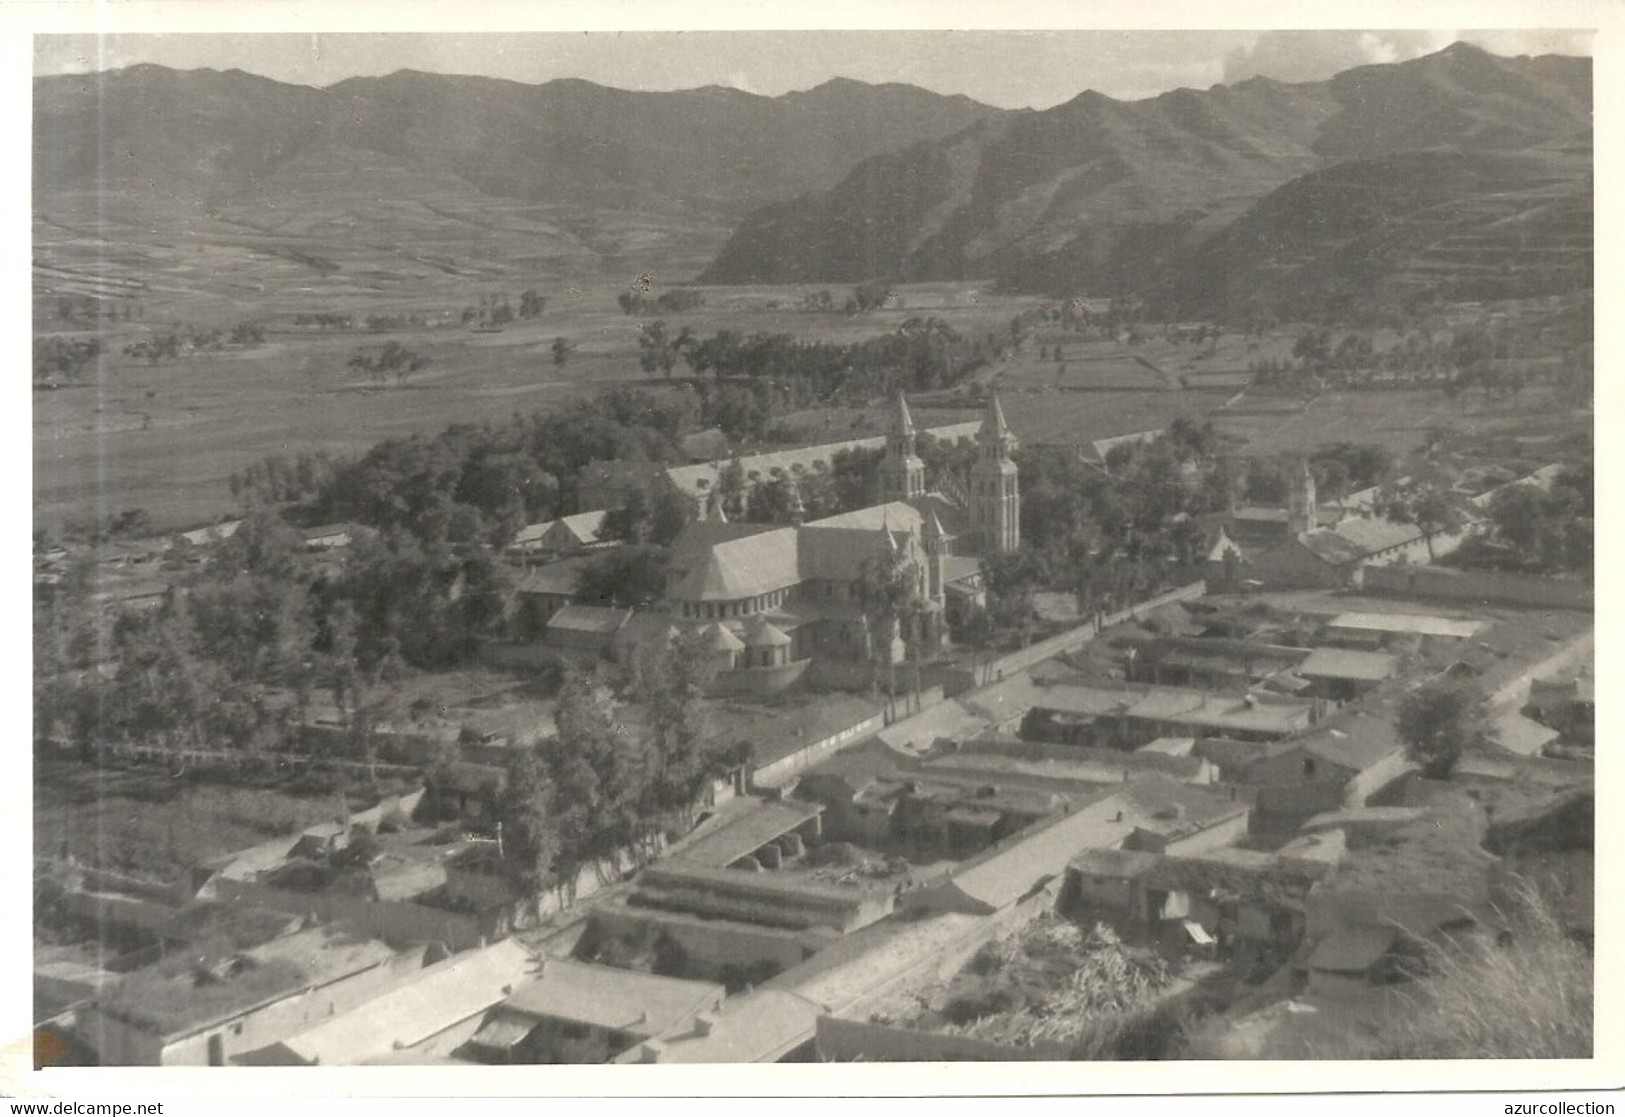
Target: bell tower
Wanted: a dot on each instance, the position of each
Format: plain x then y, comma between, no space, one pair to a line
995,489
902,473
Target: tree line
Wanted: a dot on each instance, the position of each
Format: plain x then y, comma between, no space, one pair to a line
627,766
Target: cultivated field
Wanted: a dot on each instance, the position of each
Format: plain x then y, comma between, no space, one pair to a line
166,437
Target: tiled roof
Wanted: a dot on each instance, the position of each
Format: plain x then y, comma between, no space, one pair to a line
1015,866
1520,735
1357,741
763,633
1172,808
620,1000
837,553
743,566
896,514
720,638
1340,663
762,1026
1408,623
589,618
1123,864
429,1001
747,833
1358,537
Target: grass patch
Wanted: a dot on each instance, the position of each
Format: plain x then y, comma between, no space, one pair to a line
150,824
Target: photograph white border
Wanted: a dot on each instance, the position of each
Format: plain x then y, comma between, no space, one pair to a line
19,21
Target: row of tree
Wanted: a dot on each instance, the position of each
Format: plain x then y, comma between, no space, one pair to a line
394,359
177,341
627,767
1539,531
635,301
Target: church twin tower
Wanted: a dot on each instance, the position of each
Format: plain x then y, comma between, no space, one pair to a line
994,501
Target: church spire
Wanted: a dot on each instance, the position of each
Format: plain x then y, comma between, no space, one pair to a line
902,473
901,421
993,423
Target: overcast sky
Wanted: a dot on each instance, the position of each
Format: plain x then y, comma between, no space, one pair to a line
1011,69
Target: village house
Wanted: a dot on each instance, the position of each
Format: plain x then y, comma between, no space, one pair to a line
427,1014
195,1012
1128,717
560,538
571,1012
590,631
1345,761
1344,674
763,837
770,899
763,1026
1312,545
1204,663
1566,705
1153,815
1248,905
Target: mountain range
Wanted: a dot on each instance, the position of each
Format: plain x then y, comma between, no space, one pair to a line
1440,173
214,138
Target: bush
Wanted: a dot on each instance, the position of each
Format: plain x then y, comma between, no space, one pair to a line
1526,993
968,1008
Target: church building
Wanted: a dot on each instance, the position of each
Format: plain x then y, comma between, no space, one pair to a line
772,599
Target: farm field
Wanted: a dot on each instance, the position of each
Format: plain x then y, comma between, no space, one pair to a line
167,437
1397,419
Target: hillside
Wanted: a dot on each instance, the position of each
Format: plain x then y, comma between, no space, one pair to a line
1455,225
595,175
1106,197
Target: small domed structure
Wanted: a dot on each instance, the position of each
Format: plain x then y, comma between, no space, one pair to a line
766,645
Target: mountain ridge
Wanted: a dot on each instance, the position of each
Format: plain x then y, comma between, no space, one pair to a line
1104,196
512,136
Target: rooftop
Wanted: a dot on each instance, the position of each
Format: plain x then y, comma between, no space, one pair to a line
747,833
1023,861
1354,539
1413,623
425,1002
1123,864
1340,663
760,1027
590,619
1178,706
1522,735
698,480
173,999
618,1000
